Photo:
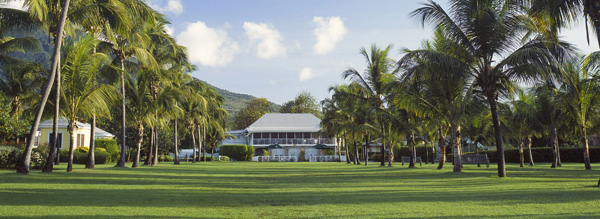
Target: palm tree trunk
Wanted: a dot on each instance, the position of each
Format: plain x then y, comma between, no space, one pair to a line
49,166
442,146
529,148
554,142
140,137
155,160
121,162
339,145
411,148
23,166
91,159
366,150
175,159
204,144
521,154
71,129
498,135
148,160
346,146
199,140
193,144
382,149
456,140
391,157
356,156
586,150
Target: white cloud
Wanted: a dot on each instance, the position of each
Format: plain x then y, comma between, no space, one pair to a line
306,74
208,46
269,40
272,82
329,32
173,6
14,4
170,30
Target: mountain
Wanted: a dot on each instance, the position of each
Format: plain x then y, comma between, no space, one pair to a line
234,102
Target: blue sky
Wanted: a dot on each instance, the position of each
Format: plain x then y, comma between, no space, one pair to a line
278,48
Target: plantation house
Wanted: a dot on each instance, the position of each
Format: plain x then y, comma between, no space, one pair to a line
292,131
82,131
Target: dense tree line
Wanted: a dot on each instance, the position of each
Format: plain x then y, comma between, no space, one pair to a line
111,60
495,71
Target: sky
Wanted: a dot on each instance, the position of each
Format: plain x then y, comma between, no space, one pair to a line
278,48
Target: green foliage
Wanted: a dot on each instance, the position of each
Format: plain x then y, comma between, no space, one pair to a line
224,158
82,149
208,158
249,152
545,155
255,109
165,158
111,147
265,152
101,156
9,156
302,155
303,103
11,126
330,152
236,152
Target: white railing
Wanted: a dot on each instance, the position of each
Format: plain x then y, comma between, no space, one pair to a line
323,158
275,158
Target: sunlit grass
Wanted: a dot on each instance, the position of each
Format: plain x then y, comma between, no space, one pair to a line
305,190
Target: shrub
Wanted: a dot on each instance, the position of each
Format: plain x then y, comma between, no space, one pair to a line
38,160
82,149
377,157
235,152
111,147
165,158
265,152
329,152
208,158
250,152
224,158
302,156
9,156
101,156
574,155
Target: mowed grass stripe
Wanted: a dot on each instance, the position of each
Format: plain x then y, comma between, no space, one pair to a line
300,190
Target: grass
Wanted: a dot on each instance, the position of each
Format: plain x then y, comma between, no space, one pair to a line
301,190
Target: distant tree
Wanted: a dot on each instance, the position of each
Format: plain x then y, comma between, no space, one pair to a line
253,110
303,103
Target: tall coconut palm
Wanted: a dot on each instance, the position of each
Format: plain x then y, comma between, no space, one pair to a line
559,13
549,115
20,83
372,83
23,166
132,43
579,96
488,31
81,93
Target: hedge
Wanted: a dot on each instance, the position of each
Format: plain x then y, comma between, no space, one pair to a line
404,151
111,147
101,156
572,155
9,156
249,152
238,152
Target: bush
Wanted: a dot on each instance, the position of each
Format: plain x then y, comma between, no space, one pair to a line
208,158
111,147
101,156
235,152
302,156
165,158
250,152
224,158
573,155
82,149
9,156
329,152
38,160
265,152
377,157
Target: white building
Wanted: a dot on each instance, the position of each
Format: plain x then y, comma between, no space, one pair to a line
292,131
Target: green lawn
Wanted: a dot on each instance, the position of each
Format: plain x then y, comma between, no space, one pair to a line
304,190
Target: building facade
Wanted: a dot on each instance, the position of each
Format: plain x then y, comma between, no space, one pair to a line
294,132
81,131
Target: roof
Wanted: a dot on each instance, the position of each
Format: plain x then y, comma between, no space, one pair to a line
62,123
286,122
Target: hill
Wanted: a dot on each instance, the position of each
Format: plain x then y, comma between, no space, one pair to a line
234,102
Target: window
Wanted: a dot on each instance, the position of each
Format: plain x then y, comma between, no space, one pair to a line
274,135
290,135
257,136
80,140
307,135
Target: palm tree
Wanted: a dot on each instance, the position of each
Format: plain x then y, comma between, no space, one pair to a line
487,31
81,93
20,83
372,85
549,115
135,42
23,166
562,12
579,96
